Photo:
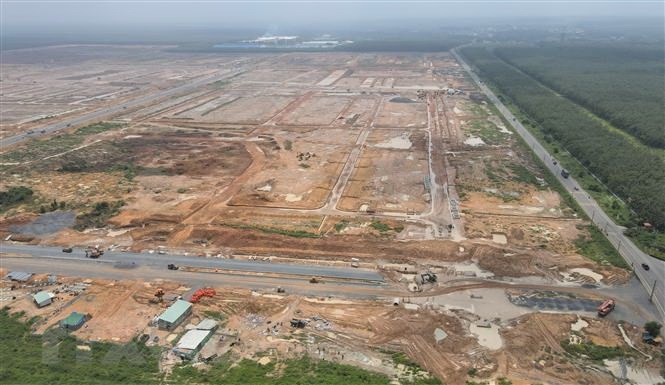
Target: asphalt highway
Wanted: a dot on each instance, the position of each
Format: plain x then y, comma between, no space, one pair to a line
160,261
109,112
653,280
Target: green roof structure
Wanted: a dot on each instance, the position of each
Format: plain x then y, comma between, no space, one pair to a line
73,321
175,311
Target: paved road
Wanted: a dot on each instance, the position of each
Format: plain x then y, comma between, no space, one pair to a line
653,279
108,112
161,261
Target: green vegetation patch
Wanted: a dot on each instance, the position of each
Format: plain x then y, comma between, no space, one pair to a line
272,230
384,227
632,170
14,196
98,216
596,247
592,351
41,148
295,371
54,358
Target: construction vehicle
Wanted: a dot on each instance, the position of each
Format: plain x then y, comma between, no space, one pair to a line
606,307
205,292
314,280
67,250
171,266
93,252
280,289
159,295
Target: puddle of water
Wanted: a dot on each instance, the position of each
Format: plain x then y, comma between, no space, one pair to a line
578,325
487,337
486,303
587,272
474,141
637,376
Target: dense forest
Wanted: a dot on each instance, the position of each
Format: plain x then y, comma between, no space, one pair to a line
627,167
620,83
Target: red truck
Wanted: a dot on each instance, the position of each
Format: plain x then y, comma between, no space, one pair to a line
606,307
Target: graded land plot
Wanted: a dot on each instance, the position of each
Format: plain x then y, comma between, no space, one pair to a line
402,115
270,76
359,113
391,175
301,173
318,111
252,110
24,113
206,110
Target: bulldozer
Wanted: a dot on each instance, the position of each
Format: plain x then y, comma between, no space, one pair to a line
159,296
93,252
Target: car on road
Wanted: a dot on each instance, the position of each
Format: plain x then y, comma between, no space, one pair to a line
171,266
67,250
645,267
554,162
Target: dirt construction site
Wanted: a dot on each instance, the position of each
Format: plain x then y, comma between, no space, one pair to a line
390,162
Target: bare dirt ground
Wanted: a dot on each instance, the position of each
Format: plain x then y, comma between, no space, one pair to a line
390,157
373,334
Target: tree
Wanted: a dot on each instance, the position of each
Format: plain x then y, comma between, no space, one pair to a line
653,328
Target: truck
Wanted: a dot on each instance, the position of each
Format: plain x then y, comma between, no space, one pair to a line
93,252
565,173
606,307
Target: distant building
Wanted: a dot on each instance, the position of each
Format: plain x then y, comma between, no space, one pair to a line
19,276
73,321
191,343
43,298
174,315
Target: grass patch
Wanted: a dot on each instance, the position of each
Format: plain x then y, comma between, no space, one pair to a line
97,217
54,358
596,247
216,315
341,225
651,242
592,351
14,196
41,148
288,145
295,371
272,230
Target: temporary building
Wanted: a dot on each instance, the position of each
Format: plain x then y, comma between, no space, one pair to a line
191,343
174,315
43,298
73,321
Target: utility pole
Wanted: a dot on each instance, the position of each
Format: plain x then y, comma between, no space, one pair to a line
653,289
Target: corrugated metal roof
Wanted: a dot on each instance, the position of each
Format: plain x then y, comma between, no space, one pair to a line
192,339
20,276
175,311
74,319
207,324
42,296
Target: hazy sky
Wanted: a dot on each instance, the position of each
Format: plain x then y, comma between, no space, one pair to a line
68,14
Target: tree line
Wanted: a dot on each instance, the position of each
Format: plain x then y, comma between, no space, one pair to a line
622,84
628,168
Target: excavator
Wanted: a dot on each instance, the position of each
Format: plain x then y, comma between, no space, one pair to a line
158,298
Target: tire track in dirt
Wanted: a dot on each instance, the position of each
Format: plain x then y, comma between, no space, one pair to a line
209,211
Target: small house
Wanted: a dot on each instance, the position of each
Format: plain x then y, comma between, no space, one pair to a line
43,298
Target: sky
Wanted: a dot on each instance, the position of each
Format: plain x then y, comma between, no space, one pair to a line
26,15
